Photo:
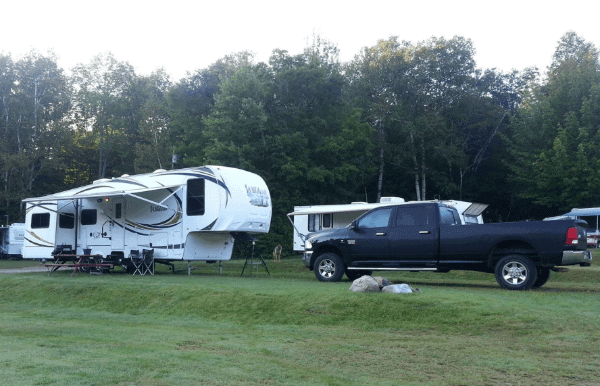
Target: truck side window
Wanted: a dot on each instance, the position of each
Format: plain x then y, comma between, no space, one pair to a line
195,197
377,219
40,220
448,217
414,216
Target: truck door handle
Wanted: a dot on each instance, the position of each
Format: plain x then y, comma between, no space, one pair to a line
380,234
424,232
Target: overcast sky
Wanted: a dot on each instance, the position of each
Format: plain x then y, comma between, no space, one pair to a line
188,35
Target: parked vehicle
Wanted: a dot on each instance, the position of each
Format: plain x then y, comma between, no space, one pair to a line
186,214
592,218
429,236
313,218
12,241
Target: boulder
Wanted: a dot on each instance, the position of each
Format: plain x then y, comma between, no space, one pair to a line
382,281
365,284
399,289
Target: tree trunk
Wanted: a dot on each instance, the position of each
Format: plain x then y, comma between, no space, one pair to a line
380,181
380,127
417,187
423,168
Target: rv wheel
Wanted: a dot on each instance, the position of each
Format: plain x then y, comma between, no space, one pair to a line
86,268
329,267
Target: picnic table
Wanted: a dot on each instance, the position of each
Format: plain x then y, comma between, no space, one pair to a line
78,262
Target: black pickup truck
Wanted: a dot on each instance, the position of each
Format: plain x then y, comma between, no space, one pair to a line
429,236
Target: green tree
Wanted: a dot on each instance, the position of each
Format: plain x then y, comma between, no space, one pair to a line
103,111
436,115
154,147
35,96
555,138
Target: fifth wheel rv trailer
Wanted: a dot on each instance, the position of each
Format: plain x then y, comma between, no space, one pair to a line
12,241
186,214
314,218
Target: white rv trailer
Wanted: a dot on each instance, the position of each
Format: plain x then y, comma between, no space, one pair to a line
12,241
315,218
186,214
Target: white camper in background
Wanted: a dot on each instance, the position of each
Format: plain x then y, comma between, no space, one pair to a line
315,218
186,214
12,241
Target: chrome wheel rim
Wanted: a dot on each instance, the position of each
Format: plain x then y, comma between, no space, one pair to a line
327,268
514,273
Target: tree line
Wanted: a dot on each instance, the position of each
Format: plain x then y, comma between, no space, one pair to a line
417,120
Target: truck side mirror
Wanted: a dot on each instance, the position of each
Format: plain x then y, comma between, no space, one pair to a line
353,225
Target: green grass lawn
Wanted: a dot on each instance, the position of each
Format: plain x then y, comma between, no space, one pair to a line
290,329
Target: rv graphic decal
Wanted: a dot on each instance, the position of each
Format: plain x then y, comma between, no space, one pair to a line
258,197
41,205
48,243
210,178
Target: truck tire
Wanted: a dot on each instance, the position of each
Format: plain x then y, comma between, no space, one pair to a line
543,274
516,272
329,267
353,275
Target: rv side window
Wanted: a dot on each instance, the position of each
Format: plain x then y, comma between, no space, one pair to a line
195,197
327,220
40,220
66,221
88,216
118,210
313,222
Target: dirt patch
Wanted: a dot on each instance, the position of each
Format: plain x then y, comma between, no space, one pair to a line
23,270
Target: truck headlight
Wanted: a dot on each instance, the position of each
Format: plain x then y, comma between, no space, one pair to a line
307,244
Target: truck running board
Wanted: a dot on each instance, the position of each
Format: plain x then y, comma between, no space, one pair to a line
390,269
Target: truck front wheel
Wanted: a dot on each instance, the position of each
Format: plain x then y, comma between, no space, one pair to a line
329,267
516,272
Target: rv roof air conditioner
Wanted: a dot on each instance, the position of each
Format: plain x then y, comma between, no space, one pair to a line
101,180
391,199
159,171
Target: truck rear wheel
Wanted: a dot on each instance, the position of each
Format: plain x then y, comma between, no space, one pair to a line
329,267
516,272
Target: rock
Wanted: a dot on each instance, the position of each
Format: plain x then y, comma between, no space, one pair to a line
399,289
382,281
365,284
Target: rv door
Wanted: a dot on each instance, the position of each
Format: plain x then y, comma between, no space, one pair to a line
117,225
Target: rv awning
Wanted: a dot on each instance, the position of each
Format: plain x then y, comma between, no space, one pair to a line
337,208
583,212
96,192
